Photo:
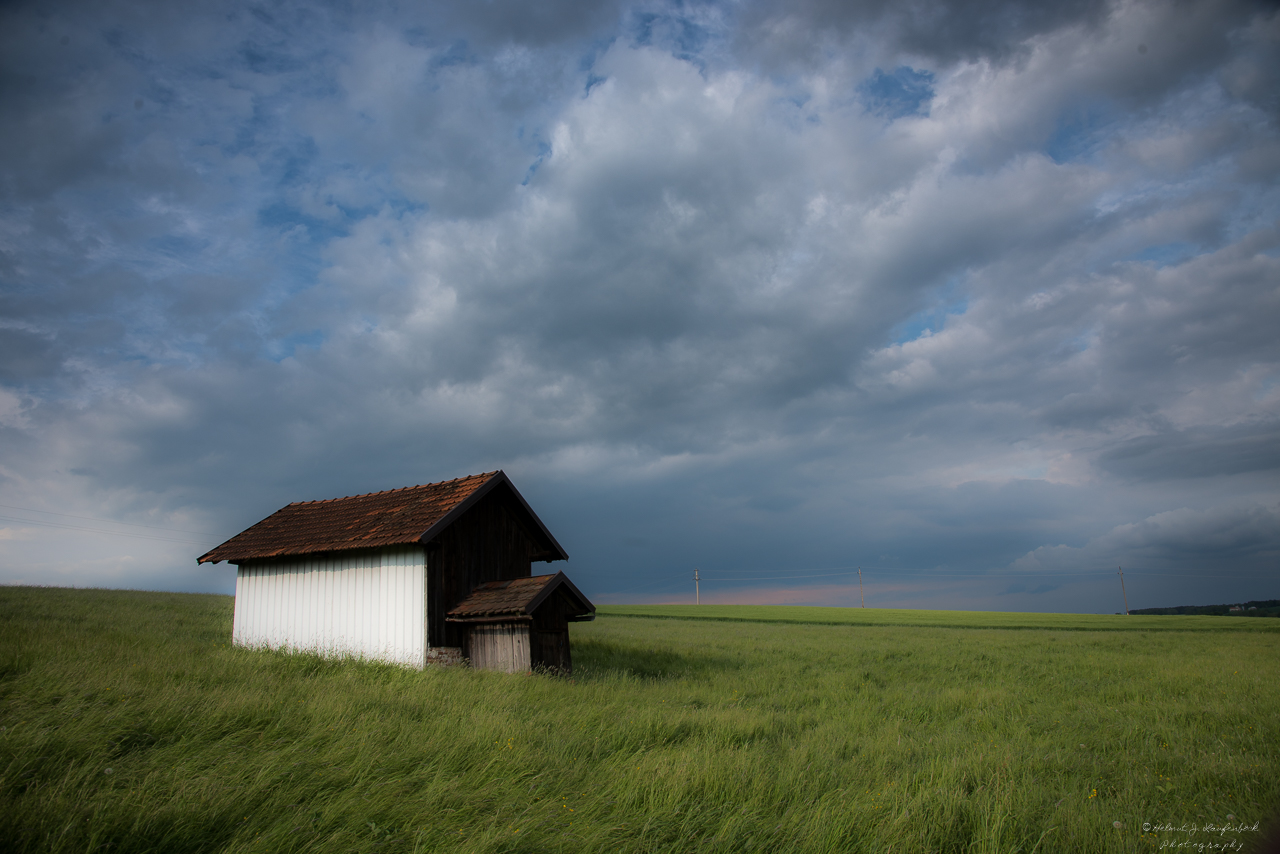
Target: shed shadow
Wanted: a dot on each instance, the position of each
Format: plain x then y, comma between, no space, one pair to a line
596,659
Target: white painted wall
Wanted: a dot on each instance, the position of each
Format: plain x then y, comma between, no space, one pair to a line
370,604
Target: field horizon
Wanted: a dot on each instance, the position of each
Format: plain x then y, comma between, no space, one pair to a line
855,615
129,723
937,618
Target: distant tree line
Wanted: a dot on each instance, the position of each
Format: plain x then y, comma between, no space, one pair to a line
1263,608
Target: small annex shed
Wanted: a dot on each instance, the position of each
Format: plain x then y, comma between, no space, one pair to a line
521,624
375,575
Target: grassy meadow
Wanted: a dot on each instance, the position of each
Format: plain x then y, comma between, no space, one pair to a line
940,619
129,724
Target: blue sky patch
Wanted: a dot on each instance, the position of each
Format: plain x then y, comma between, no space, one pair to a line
931,319
1079,133
543,151
284,217
288,346
904,92
177,245
948,301
681,36
458,53
1166,254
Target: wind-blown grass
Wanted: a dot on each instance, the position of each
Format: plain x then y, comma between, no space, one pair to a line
130,724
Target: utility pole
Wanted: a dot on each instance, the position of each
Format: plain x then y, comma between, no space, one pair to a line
1122,593
860,594
697,593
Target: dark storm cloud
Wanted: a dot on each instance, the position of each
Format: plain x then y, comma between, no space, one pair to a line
944,31
25,356
1222,544
1161,48
1201,453
1253,73
532,23
972,288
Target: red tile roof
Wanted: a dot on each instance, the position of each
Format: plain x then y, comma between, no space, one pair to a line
517,597
395,517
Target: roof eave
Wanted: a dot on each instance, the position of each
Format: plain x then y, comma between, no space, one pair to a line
550,587
491,618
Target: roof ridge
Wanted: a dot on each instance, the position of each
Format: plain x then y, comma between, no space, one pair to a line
485,474
406,515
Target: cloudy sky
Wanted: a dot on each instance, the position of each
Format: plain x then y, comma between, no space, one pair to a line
980,296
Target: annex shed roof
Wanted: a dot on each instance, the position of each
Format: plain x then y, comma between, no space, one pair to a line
519,597
408,516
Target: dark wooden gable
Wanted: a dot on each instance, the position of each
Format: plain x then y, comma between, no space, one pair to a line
549,633
494,539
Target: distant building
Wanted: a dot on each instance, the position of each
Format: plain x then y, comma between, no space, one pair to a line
421,575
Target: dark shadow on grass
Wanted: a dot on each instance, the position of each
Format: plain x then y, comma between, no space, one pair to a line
14,663
596,658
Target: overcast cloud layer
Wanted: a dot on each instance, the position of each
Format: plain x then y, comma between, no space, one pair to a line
982,297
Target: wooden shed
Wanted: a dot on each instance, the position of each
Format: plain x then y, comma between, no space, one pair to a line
374,575
521,624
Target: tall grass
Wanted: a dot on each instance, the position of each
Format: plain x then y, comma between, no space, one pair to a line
129,724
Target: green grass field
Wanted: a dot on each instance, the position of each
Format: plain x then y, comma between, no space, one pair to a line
939,619
128,723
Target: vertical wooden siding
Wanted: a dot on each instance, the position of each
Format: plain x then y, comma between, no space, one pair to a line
368,604
487,543
500,646
550,650
550,633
